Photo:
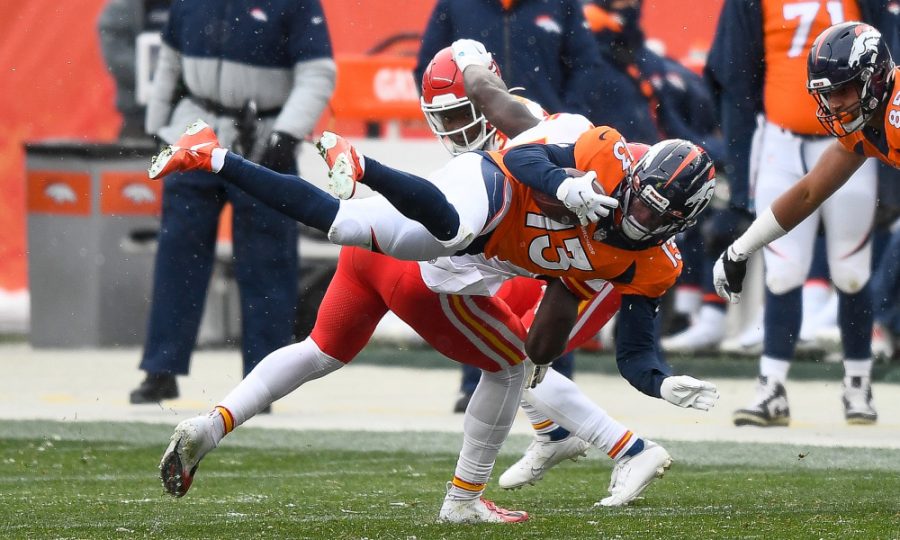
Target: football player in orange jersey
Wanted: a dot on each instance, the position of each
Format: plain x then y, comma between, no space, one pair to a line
661,194
851,75
456,214
758,60
330,347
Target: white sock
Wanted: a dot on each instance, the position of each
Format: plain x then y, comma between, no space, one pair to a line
488,420
540,422
218,159
562,400
774,369
858,368
277,375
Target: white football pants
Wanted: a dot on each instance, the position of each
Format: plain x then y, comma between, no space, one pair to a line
373,220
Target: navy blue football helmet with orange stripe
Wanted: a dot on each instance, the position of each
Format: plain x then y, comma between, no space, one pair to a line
669,185
849,55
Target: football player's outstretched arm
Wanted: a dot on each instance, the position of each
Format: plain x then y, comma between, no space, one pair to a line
637,355
487,91
830,172
834,168
490,95
642,365
555,318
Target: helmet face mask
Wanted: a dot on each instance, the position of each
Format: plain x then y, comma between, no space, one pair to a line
457,123
641,221
849,71
669,186
841,120
450,114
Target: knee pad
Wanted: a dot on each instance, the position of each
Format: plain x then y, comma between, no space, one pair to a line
350,229
511,376
849,279
786,270
784,280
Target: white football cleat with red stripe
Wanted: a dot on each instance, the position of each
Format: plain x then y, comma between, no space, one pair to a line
193,439
478,510
193,151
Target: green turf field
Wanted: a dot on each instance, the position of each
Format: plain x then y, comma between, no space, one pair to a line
81,480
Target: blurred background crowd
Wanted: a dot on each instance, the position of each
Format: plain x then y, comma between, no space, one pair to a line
654,69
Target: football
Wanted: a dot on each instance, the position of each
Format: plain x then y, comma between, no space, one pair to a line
554,208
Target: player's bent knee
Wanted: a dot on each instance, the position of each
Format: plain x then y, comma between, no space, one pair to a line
350,232
850,282
781,284
511,375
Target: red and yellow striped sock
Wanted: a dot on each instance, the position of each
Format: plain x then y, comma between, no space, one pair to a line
461,489
227,418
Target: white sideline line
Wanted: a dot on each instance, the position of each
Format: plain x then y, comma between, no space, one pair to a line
92,385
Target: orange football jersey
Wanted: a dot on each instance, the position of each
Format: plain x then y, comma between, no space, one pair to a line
888,148
789,29
533,242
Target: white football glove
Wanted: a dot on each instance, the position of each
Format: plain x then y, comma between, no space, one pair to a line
578,194
686,391
728,275
468,52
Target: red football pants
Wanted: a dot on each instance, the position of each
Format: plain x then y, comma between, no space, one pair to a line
484,332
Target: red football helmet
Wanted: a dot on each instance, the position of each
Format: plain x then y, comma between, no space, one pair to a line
450,114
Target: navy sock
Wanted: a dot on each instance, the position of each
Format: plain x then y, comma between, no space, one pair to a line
415,197
558,434
291,195
855,320
636,448
783,315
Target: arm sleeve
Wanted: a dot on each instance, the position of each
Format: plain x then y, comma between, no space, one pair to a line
314,71
165,84
438,34
314,82
735,69
539,166
580,58
637,352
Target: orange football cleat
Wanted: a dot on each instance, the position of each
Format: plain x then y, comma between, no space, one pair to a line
193,151
345,168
